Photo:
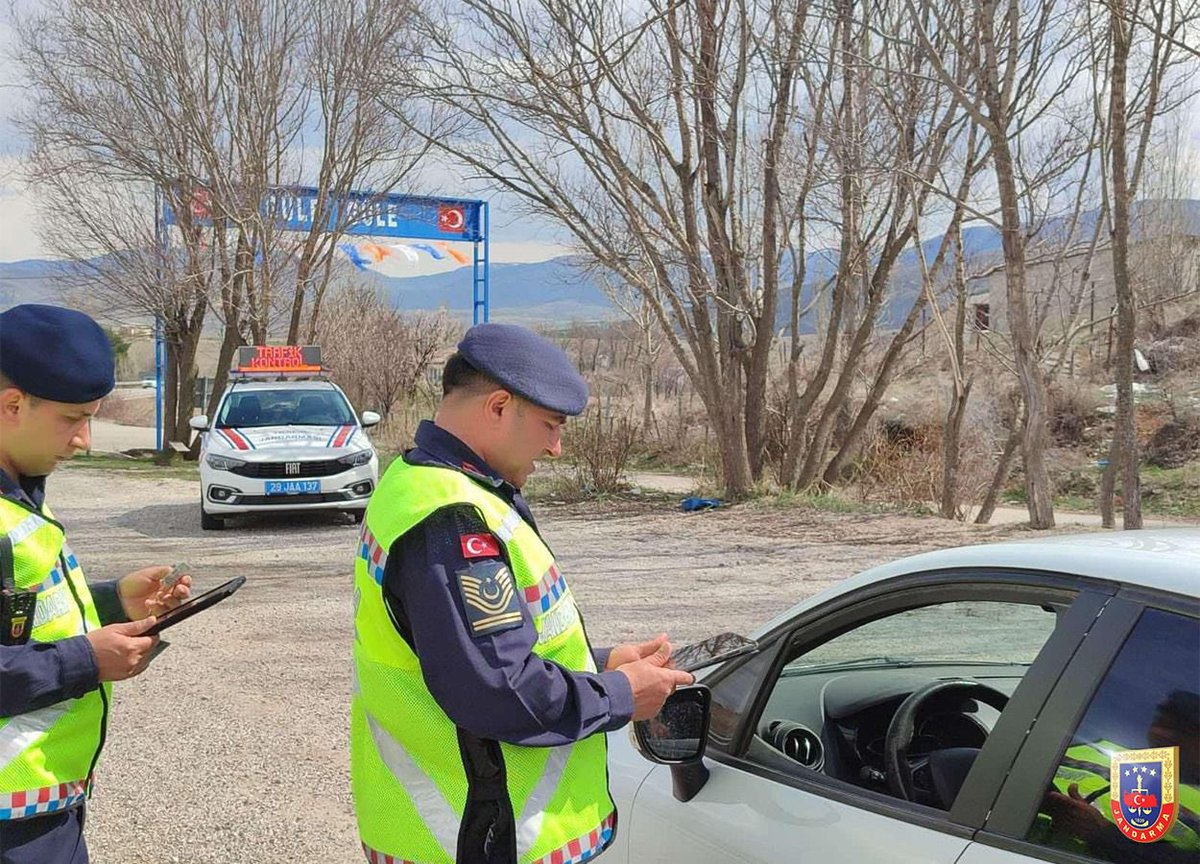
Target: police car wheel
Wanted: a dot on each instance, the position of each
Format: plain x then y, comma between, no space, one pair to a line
210,523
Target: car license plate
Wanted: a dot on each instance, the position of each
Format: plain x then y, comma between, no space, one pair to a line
293,487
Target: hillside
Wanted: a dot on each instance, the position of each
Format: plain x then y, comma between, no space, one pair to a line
559,290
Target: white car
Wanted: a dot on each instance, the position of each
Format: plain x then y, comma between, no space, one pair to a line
1017,702
284,445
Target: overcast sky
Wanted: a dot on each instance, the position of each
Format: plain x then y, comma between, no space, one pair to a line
514,236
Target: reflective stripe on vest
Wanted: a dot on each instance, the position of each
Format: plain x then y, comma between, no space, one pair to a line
46,755
435,811
575,851
21,731
48,799
407,774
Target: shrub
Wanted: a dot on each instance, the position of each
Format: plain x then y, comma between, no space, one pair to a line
601,442
1176,443
1072,410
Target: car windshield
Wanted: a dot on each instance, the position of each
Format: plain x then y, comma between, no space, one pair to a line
287,407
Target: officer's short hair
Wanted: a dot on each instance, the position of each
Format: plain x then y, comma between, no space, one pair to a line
459,376
6,382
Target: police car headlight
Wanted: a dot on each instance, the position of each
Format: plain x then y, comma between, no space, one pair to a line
356,459
223,463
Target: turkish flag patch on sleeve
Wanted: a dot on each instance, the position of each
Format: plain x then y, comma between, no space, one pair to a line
479,546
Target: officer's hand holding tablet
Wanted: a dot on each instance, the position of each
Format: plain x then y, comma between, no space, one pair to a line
189,608
194,606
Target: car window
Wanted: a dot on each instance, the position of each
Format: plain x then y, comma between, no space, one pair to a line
973,631
1127,786
834,702
291,407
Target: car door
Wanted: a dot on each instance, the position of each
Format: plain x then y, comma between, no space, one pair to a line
1134,688
759,807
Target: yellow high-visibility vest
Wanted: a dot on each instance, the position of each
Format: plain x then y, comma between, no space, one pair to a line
47,756
407,774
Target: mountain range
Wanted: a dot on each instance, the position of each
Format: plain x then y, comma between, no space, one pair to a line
561,290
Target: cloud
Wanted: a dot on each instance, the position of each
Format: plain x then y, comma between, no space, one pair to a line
18,215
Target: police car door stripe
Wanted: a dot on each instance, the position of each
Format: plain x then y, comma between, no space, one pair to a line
506,528
25,527
534,811
23,729
431,806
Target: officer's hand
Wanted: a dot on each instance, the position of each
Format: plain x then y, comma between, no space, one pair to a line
629,652
142,592
121,650
652,682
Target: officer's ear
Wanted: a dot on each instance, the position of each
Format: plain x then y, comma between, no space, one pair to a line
496,403
11,401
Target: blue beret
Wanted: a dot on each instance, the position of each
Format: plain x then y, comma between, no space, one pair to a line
54,353
527,364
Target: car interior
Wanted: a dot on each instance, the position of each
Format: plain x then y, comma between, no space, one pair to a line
911,725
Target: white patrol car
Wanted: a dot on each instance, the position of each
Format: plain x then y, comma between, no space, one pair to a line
284,438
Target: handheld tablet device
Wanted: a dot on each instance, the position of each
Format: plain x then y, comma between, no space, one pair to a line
197,604
713,650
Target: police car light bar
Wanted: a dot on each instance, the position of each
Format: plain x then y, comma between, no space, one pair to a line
279,359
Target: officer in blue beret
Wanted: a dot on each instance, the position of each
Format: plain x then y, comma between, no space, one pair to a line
62,640
474,672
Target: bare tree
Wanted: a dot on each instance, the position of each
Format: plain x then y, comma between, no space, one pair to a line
207,108
1024,57
690,149
378,353
1172,20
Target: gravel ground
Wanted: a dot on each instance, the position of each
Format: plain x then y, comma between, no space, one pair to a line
233,745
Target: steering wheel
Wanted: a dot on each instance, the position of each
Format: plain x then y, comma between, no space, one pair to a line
904,724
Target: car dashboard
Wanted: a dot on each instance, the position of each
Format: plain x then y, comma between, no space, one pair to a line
835,721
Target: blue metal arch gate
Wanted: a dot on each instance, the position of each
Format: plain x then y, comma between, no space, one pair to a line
407,217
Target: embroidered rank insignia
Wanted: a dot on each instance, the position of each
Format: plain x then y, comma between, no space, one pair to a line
1143,792
489,597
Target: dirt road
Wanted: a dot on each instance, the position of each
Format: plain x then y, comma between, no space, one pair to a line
232,747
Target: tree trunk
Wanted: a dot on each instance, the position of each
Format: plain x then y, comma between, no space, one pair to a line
874,398
731,442
1029,372
1108,482
1003,467
170,385
648,398
950,448
1125,432
1020,322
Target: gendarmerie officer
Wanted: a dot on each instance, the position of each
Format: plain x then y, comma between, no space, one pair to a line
479,707
62,641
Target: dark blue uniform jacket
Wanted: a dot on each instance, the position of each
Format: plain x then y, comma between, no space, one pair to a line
492,686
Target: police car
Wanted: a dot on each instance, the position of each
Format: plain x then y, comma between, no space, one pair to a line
1017,702
284,438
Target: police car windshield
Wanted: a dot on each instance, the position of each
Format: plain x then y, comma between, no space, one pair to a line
288,407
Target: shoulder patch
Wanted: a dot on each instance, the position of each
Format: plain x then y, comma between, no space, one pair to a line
489,597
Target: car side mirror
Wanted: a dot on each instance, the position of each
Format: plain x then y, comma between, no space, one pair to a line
200,423
678,734
370,418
